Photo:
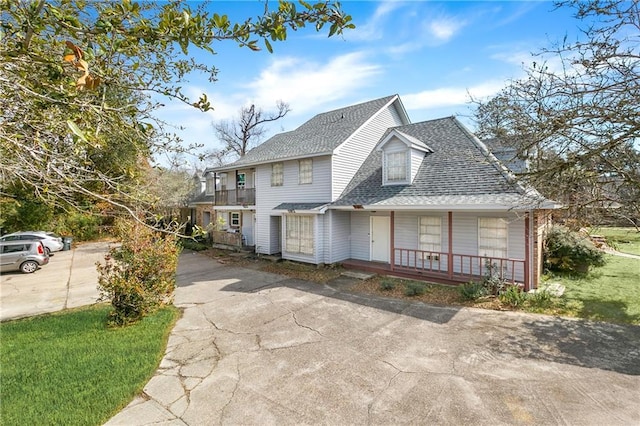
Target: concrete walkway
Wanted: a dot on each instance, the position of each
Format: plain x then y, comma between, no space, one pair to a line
258,348
68,281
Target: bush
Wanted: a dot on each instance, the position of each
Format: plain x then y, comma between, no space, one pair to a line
570,251
190,244
472,290
513,296
387,285
540,299
415,289
138,277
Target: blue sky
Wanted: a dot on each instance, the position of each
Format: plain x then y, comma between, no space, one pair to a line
433,54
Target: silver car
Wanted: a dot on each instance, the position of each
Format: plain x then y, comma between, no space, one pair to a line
22,255
51,241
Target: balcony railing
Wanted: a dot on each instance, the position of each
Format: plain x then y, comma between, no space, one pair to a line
236,197
462,265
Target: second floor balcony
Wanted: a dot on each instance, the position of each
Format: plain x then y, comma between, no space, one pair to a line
236,197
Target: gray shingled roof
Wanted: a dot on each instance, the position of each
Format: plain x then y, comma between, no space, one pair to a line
459,171
320,135
507,154
300,206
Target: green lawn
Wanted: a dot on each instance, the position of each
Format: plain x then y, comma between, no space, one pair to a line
610,293
626,240
70,369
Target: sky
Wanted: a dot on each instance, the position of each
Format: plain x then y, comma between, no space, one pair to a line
435,55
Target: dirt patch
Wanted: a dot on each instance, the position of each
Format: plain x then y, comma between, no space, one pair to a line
438,294
303,271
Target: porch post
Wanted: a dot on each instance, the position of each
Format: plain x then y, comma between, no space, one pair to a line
392,239
527,253
450,254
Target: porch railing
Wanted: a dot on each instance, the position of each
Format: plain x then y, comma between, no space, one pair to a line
235,197
459,265
227,238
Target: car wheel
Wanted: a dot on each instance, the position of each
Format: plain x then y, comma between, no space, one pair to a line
29,266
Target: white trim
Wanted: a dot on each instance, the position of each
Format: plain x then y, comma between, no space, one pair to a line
453,207
238,207
408,140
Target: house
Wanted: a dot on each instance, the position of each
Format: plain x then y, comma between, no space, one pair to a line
200,207
363,186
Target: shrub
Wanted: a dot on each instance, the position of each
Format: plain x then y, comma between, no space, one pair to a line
387,285
191,244
512,296
139,275
414,289
472,290
570,251
540,299
493,281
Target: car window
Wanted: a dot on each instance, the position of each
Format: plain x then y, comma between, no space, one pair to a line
30,237
14,248
10,238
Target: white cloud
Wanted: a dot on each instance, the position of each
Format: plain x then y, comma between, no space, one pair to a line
372,29
450,96
307,85
444,28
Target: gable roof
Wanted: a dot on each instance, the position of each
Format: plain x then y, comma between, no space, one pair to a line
460,171
321,135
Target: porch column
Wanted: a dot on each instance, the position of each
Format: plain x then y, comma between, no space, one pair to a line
527,253
450,254
392,240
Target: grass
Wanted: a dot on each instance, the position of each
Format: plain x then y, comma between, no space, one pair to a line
69,368
625,240
610,293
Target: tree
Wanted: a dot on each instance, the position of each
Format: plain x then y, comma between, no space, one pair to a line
80,82
245,132
579,123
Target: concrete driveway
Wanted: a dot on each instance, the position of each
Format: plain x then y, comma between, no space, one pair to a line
258,348
69,280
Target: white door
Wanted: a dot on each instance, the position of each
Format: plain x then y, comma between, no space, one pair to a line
248,228
380,238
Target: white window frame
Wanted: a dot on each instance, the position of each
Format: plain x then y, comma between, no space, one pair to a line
277,174
305,171
430,235
493,237
393,167
299,234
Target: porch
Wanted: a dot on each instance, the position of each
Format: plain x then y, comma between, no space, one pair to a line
233,240
445,268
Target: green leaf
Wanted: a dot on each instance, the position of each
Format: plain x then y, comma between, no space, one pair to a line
268,45
76,130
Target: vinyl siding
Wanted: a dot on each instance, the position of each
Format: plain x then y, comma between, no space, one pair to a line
416,161
340,236
407,229
350,155
268,197
360,244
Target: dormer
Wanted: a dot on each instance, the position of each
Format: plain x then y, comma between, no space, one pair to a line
402,155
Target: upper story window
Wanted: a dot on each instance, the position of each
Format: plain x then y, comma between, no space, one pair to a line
305,171
209,184
223,181
395,167
241,180
277,174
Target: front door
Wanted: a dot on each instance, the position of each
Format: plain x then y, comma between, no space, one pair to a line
380,240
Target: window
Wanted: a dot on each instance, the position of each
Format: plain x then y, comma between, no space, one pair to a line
430,235
234,219
241,179
396,167
492,237
223,181
299,234
277,174
305,171
209,184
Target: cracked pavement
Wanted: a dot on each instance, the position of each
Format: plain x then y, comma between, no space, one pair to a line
259,348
